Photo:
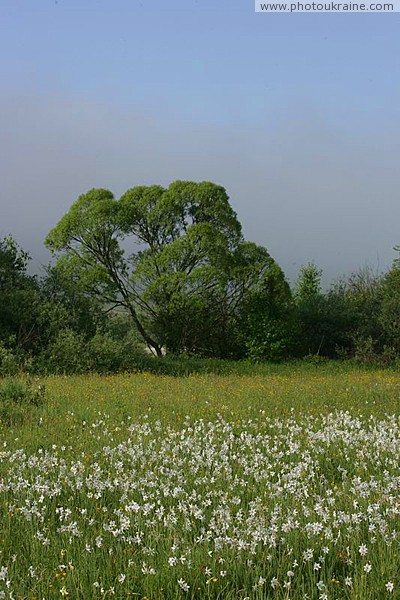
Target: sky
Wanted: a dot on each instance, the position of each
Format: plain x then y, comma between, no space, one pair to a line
296,115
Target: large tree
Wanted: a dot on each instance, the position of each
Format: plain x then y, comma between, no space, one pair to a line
174,258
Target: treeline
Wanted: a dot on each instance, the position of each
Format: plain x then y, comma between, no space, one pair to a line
191,285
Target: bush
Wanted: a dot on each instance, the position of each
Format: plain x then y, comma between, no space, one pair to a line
17,399
9,364
13,360
67,354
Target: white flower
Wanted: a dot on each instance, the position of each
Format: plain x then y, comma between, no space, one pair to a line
367,568
307,554
121,577
348,581
183,585
317,566
363,550
32,571
287,584
274,582
389,586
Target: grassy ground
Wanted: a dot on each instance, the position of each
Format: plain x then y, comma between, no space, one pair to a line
277,390
268,482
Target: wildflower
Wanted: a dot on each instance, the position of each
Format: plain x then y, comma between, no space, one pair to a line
274,582
121,577
183,585
287,584
348,581
32,571
368,568
64,592
317,566
389,586
308,554
363,550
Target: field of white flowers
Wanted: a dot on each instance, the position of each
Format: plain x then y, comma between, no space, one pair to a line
301,507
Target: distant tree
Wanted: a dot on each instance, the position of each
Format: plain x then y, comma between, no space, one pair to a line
396,262
267,322
389,314
310,309
188,269
308,285
18,295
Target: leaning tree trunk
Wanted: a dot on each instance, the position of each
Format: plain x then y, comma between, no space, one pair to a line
147,338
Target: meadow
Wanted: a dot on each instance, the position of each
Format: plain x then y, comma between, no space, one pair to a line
278,482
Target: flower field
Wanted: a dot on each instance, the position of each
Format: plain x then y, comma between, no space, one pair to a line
284,485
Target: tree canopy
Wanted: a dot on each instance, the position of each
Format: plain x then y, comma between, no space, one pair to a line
174,257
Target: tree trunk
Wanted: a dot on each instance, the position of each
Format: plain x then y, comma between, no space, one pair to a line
149,340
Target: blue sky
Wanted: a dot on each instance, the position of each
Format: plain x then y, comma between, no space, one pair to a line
298,116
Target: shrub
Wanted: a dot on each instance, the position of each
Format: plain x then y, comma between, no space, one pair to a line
67,354
17,399
9,364
13,360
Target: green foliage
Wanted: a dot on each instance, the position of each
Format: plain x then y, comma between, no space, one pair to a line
17,399
18,296
267,326
13,263
344,321
71,353
308,285
190,270
268,339
108,354
66,354
9,361
389,314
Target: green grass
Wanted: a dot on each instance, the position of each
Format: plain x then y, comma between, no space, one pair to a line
274,389
230,452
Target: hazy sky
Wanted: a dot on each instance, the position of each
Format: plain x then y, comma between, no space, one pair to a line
297,116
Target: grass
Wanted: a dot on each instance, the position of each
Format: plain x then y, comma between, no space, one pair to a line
268,482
